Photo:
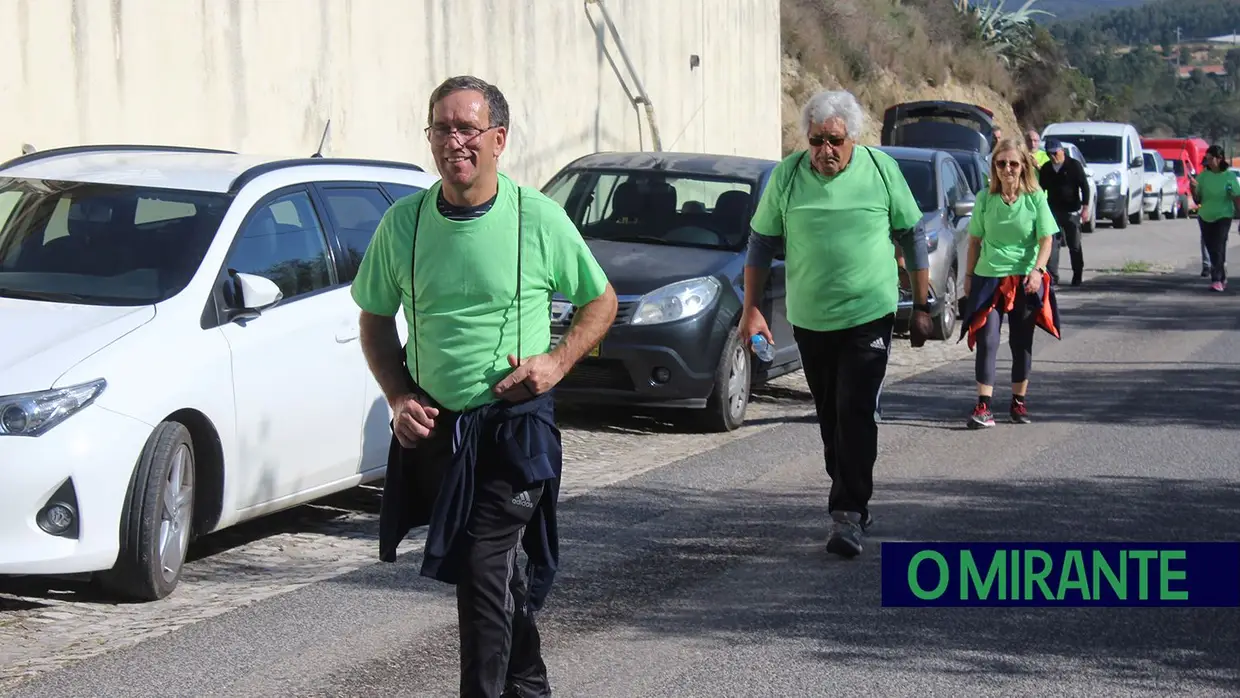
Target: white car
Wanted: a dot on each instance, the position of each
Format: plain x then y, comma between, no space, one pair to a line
180,350
1161,197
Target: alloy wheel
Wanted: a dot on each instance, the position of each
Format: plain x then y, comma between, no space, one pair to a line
738,382
176,513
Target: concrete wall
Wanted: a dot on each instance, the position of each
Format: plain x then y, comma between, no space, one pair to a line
266,75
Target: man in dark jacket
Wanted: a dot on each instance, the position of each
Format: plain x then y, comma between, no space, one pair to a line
1067,192
475,453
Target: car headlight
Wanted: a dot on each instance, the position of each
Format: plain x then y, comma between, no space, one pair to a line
1111,180
32,414
677,301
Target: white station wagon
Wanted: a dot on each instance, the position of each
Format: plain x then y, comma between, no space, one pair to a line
178,350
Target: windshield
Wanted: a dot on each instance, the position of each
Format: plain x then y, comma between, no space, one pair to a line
920,178
1151,163
656,207
102,244
1107,150
1179,167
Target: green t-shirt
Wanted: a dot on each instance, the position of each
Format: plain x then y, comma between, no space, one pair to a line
1010,233
1216,192
1041,157
467,283
839,254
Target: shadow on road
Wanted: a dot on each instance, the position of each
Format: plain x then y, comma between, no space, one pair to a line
749,568
743,569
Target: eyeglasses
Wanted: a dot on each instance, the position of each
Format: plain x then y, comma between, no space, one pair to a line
440,133
1007,164
835,141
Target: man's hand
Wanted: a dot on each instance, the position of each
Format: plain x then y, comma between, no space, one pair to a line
753,323
1084,214
533,377
411,420
920,328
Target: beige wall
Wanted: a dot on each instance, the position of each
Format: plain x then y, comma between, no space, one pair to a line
266,75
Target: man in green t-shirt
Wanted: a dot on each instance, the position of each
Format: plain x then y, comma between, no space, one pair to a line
837,207
1033,141
474,261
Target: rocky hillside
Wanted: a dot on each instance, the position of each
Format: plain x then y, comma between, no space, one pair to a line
890,51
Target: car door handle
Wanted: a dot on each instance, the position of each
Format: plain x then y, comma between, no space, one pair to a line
347,334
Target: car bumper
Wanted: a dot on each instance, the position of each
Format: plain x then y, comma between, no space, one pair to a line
1151,202
90,457
669,365
1110,203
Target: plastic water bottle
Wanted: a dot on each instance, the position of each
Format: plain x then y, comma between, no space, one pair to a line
762,348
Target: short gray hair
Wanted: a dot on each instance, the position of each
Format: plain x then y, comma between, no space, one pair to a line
830,104
497,105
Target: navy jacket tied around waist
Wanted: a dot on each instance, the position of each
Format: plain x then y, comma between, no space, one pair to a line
524,435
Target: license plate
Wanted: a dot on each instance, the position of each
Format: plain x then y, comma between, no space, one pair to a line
555,341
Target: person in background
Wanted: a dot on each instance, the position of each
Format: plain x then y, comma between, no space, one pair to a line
1217,192
1010,238
1033,142
837,207
475,453
1067,191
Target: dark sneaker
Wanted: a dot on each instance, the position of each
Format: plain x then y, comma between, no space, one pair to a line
1020,413
846,530
981,418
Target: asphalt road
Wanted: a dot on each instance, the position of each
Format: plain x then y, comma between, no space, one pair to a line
708,577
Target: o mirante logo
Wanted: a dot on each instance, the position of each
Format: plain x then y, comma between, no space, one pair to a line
1061,574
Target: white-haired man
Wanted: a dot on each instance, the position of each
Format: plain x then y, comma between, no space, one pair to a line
838,207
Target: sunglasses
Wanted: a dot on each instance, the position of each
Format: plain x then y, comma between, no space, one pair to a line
1007,164
835,141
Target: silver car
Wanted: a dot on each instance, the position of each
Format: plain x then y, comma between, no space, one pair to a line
946,199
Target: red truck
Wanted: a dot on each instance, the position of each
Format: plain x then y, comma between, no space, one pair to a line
1185,154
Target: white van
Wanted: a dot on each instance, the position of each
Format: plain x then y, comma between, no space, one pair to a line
1114,154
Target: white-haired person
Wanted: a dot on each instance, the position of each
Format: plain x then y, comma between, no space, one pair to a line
837,207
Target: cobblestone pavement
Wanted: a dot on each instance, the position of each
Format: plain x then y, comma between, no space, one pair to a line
45,625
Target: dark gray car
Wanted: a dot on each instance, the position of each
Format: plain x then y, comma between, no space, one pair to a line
671,231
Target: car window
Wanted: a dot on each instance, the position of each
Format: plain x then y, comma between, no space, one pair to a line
950,184
102,243
282,240
638,205
400,191
355,213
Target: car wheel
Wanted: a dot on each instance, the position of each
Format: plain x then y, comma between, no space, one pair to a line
157,519
945,321
1156,213
725,411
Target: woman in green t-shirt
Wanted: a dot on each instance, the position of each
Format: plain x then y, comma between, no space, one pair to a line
1010,237
1217,191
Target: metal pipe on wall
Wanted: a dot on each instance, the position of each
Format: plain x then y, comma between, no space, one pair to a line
642,97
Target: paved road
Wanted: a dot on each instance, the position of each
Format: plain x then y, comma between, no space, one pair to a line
707,576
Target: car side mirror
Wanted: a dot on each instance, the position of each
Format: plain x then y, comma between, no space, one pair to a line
256,293
963,208
1138,162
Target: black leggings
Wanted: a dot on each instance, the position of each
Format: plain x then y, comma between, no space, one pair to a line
1214,235
1021,325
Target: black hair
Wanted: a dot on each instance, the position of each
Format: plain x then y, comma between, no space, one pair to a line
497,105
